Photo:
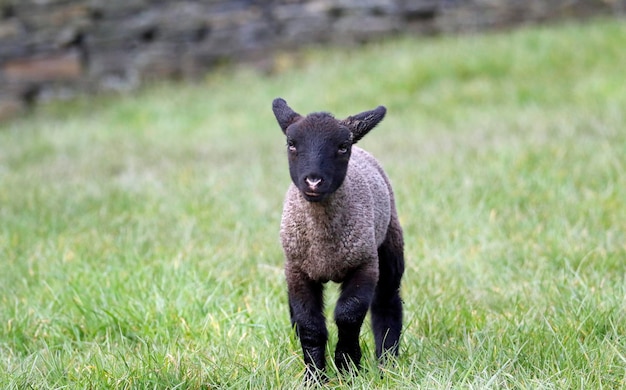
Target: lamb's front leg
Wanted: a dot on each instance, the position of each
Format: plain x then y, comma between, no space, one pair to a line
357,291
306,306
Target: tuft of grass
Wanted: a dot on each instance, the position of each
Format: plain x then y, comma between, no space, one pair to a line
139,234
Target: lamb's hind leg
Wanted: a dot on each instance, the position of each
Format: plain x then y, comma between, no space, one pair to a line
386,309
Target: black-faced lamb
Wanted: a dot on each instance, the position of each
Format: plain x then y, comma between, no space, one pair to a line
339,224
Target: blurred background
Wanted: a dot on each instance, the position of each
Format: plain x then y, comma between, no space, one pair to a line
52,49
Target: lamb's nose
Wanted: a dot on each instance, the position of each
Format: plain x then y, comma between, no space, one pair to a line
313,182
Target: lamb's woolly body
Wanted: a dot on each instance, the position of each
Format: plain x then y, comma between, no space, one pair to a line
325,240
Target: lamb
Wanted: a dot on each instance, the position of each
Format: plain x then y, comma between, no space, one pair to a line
339,224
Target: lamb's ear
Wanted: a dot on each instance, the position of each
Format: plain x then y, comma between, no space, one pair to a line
284,114
362,123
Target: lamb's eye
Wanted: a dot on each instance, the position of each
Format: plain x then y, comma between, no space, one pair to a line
343,149
291,146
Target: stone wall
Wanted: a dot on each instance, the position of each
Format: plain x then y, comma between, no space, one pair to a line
57,48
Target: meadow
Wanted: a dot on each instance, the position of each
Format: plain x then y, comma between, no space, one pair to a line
139,233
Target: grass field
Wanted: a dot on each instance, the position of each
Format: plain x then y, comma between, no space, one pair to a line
139,234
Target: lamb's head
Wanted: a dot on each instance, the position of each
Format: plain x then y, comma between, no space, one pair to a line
319,146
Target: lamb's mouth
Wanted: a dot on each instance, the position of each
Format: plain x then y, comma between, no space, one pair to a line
314,196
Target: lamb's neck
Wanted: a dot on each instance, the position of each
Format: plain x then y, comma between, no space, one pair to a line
334,207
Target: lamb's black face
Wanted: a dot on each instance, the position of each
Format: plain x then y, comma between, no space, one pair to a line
319,146
319,149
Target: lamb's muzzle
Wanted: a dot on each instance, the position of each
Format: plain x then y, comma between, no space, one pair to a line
313,183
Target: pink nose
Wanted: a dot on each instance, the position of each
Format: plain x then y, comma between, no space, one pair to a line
313,183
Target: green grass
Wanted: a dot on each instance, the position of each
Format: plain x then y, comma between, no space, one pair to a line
139,234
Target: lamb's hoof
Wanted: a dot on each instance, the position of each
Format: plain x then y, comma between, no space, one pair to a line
315,377
347,365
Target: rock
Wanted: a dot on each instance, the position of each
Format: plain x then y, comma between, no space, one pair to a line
50,48
57,67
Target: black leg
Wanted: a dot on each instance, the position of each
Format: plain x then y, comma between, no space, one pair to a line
387,305
306,306
356,296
